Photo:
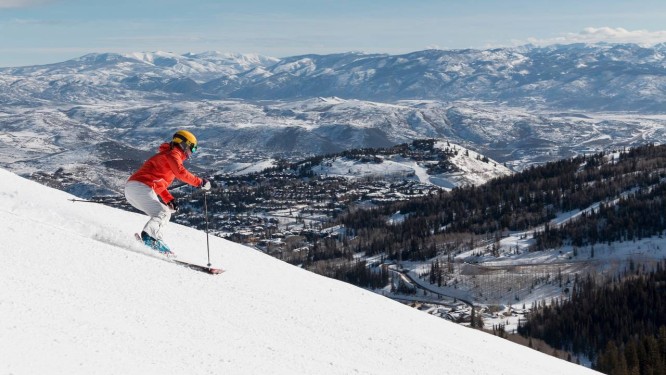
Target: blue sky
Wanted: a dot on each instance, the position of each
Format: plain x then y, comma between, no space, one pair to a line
36,32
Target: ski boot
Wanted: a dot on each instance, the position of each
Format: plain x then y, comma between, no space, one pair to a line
156,244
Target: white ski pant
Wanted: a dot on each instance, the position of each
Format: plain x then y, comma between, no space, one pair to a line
143,198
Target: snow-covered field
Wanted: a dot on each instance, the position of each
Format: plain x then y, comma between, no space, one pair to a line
80,296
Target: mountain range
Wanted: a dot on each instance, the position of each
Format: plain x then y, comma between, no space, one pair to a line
596,77
98,115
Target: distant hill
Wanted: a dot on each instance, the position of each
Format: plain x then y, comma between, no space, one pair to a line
428,161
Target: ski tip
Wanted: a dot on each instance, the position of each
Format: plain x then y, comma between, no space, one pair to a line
212,270
201,268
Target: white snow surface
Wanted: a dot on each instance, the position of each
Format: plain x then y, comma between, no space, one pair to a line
81,296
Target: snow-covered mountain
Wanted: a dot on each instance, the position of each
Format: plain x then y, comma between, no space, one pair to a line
582,77
101,143
598,77
518,106
81,296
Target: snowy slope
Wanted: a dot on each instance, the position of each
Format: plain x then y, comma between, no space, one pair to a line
80,297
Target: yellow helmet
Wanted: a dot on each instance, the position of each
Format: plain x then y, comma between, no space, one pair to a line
185,139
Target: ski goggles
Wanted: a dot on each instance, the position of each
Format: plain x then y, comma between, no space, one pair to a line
193,148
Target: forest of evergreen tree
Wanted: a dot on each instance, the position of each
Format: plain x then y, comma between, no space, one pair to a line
621,324
628,184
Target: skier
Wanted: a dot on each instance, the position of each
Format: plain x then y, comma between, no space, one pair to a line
153,179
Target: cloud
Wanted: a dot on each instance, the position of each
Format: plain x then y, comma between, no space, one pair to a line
7,4
605,34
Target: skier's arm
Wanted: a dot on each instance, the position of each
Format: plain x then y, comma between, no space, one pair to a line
166,196
181,173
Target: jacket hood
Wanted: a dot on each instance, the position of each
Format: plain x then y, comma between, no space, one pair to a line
164,147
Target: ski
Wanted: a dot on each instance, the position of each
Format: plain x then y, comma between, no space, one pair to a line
196,267
170,256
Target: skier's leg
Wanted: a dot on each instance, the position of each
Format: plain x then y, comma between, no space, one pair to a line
142,197
155,226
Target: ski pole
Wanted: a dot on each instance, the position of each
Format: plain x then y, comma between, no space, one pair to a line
206,216
89,201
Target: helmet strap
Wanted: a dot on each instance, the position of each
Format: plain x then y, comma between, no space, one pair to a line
183,139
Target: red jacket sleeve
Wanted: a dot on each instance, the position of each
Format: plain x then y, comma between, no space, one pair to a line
176,164
166,196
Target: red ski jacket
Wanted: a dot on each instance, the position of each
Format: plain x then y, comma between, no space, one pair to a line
159,171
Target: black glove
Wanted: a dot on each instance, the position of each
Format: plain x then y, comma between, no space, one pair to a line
173,205
205,184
